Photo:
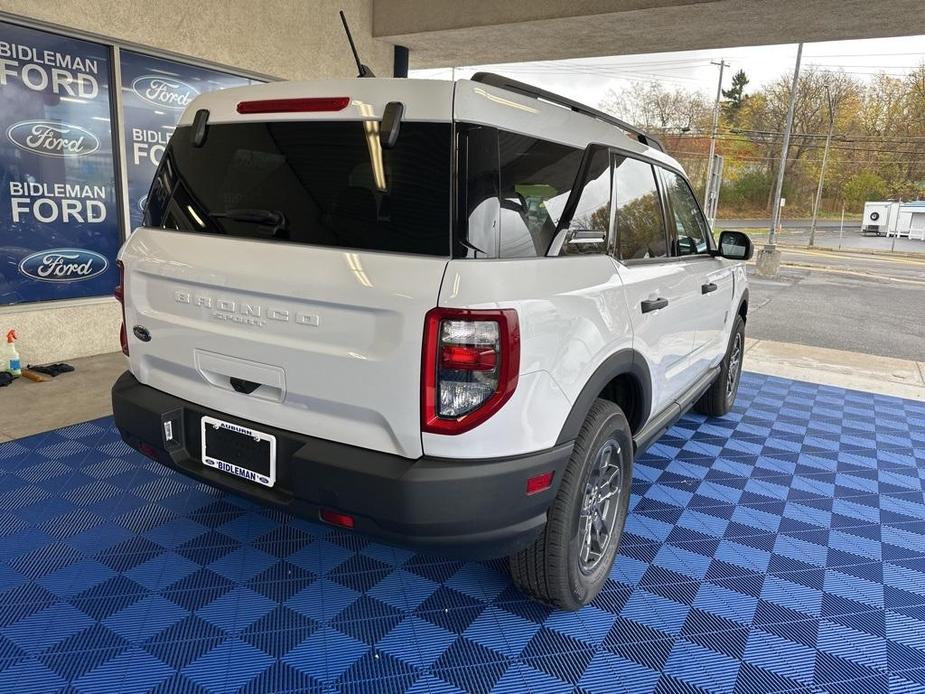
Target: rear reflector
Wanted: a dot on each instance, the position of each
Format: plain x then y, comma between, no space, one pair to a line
148,451
540,483
307,105
119,293
334,518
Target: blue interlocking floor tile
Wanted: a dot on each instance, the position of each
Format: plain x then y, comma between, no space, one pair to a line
780,548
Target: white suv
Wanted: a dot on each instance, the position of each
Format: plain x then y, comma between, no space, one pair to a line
445,315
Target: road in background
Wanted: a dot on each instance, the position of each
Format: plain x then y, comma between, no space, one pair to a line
796,233
850,223
847,301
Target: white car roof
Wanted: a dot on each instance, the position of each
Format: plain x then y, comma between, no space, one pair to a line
430,101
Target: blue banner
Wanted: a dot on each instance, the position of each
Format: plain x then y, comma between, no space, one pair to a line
59,222
154,94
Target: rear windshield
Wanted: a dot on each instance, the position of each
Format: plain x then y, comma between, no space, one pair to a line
316,183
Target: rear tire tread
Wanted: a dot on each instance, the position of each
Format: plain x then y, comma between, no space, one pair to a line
538,570
713,402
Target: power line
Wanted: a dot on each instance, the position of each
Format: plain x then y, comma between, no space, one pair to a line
740,131
808,160
866,55
869,150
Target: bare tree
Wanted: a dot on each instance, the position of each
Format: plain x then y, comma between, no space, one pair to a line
652,106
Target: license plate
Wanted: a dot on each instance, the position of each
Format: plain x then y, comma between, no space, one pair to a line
239,451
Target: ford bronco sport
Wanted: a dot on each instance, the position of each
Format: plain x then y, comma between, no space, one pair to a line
446,315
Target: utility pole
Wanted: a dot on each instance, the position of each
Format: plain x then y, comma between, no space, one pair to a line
719,93
768,260
825,158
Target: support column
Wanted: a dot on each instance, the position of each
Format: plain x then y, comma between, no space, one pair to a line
400,62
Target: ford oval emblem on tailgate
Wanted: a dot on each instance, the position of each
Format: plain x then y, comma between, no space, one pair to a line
141,332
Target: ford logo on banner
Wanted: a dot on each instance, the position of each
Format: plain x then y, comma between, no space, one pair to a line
165,92
63,265
53,139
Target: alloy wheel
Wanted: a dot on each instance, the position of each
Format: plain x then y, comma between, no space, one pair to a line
600,507
735,367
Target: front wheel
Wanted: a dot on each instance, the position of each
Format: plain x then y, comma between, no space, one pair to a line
721,395
569,562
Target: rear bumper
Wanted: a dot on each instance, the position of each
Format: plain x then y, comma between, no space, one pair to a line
470,508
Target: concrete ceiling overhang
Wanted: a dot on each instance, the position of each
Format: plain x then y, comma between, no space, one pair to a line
459,32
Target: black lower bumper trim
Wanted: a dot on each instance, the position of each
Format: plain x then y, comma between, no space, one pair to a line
471,508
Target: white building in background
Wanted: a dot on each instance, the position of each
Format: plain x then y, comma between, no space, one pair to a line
893,218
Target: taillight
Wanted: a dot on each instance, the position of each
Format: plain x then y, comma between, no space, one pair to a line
299,105
119,293
470,364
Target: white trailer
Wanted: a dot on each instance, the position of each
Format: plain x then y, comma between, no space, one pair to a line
880,217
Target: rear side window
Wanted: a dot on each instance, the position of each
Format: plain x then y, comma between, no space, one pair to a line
536,179
315,183
639,223
479,199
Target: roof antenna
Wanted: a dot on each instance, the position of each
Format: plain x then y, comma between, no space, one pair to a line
362,70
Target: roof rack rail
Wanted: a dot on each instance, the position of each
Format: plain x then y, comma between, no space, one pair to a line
494,80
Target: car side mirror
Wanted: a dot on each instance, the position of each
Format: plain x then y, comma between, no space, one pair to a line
686,245
735,245
578,242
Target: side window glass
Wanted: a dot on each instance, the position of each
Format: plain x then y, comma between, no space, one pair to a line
479,206
589,228
686,216
638,220
536,179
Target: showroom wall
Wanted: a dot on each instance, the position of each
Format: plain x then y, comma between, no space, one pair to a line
291,39
243,41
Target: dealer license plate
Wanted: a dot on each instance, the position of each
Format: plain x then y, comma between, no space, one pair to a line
239,451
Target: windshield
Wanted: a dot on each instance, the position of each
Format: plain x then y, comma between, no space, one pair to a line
316,183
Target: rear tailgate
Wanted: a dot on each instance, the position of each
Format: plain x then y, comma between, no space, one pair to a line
289,249
333,336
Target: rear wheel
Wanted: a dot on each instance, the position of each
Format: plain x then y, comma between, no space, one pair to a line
568,564
721,395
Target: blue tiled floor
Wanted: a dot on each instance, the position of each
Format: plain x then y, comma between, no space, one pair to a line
780,548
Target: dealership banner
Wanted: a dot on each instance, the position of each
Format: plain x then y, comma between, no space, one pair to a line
59,222
155,92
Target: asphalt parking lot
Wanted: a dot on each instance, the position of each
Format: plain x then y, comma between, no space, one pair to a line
848,301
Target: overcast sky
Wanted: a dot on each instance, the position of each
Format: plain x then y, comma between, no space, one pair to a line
588,79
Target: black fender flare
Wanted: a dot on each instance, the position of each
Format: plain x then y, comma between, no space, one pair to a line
742,300
626,361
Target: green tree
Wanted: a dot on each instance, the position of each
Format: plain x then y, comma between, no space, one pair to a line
735,96
864,186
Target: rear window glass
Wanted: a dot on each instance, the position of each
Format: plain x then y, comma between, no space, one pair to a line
316,183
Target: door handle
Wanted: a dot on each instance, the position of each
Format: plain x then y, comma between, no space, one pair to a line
650,305
707,288
243,386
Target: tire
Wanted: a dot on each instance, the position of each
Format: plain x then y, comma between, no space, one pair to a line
560,568
721,395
